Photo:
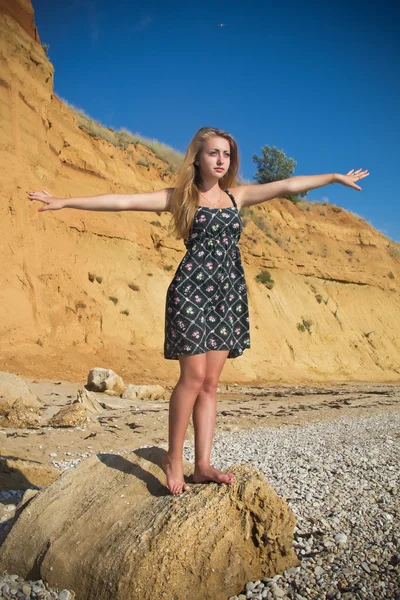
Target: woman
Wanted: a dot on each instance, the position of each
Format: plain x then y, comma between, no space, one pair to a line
206,305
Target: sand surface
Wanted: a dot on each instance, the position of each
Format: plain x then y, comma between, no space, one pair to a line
125,425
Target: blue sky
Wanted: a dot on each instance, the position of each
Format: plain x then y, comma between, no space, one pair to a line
319,80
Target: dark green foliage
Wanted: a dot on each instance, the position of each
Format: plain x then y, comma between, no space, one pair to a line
305,325
265,278
274,165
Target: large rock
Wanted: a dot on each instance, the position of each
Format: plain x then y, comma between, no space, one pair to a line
110,530
105,380
144,392
14,388
89,401
72,415
19,416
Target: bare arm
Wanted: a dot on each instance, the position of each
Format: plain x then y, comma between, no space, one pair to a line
157,201
247,195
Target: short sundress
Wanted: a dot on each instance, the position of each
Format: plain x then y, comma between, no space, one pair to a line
206,304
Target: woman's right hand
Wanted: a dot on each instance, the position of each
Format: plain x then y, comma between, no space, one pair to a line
51,203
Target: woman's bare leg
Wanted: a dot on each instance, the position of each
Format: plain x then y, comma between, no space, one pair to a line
204,417
183,397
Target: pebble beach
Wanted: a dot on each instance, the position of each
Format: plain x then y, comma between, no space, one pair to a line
341,480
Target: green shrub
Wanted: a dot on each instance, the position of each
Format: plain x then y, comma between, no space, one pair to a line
113,299
99,278
274,165
134,287
168,267
91,277
305,325
265,278
156,223
125,312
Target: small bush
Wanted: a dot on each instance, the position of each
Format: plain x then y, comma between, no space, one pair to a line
156,223
134,287
168,267
265,278
349,252
99,278
80,304
394,250
142,163
318,298
246,214
113,299
125,312
305,325
390,274
91,277
149,274
261,224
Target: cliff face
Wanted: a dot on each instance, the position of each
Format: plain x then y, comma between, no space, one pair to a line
80,289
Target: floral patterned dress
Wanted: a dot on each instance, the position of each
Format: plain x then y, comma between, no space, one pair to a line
206,304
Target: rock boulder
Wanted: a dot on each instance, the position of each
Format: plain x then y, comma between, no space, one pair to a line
110,530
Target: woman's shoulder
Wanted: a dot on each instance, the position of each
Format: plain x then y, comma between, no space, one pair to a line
236,193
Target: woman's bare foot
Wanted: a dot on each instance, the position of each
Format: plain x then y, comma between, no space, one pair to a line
208,473
174,472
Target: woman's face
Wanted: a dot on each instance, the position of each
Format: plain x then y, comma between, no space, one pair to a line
214,158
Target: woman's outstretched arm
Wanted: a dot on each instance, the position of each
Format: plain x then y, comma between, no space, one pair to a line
157,201
247,195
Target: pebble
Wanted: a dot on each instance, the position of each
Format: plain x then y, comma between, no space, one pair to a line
340,479
13,586
341,538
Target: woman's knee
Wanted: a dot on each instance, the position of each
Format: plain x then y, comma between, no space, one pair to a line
193,372
210,384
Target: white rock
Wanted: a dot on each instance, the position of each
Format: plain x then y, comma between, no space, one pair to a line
341,538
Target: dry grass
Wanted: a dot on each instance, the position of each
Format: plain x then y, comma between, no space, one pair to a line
394,249
124,137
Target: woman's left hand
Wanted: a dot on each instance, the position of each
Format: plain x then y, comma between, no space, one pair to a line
351,177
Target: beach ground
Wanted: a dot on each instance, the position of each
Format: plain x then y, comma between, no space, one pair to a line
125,425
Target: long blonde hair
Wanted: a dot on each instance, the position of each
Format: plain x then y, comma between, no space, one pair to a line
187,186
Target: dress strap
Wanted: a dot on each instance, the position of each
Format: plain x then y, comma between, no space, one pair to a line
232,198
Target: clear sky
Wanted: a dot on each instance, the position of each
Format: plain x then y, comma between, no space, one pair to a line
318,79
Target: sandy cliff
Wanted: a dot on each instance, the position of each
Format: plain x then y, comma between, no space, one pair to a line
81,289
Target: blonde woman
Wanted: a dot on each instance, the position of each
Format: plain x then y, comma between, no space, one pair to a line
206,312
